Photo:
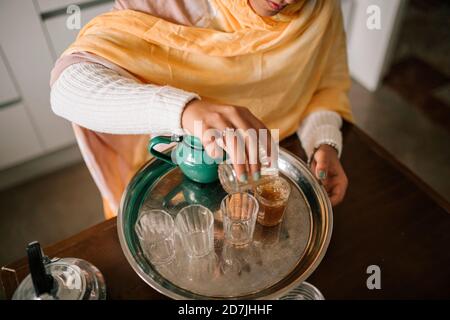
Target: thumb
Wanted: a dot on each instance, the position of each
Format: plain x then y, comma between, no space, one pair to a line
322,163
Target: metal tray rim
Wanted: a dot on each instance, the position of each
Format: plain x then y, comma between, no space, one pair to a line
275,295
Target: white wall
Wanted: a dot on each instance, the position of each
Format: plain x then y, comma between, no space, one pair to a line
369,51
32,34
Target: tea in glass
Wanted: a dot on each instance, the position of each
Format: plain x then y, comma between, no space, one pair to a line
273,198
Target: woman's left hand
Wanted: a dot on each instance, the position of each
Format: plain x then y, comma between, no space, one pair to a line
327,168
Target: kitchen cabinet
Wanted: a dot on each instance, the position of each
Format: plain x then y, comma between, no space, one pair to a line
8,91
18,139
45,6
33,34
60,36
27,50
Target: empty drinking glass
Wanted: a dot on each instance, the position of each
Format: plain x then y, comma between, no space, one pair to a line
304,291
239,212
195,224
155,230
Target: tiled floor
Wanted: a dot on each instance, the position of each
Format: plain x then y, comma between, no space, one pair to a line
423,87
425,33
420,69
47,209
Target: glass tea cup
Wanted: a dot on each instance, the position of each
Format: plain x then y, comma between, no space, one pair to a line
267,236
239,212
273,197
269,168
195,225
305,291
155,230
231,184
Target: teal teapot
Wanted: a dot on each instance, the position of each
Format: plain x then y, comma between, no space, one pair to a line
189,155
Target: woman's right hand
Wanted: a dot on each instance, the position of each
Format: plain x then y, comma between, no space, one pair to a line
218,118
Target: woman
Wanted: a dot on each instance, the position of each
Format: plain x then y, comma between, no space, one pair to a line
158,66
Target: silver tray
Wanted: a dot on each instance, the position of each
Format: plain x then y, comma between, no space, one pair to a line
279,259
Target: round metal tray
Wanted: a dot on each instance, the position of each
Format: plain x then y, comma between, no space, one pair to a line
278,260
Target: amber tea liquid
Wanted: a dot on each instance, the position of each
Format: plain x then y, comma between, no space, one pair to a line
273,199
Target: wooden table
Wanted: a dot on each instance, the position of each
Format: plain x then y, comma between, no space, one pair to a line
389,218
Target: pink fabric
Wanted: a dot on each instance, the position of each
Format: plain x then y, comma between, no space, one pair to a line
66,61
176,11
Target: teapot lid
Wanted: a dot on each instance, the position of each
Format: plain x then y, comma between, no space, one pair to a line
59,279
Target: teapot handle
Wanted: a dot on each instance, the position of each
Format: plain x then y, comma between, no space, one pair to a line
163,140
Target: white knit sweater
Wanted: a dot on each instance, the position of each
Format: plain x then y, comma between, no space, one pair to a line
100,99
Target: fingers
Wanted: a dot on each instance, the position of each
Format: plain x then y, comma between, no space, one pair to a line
336,186
234,146
249,128
212,138
252,152
327,168
322,163
243,148
215,142
265,140
337,194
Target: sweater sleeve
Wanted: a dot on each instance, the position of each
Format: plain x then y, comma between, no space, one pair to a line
321,127
98,98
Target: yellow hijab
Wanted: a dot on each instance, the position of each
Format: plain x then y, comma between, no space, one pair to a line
281,68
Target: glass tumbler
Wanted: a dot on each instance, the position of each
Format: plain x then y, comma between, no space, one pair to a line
231,184
273,198
195,225
304,291
155,230
239,211
269,168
